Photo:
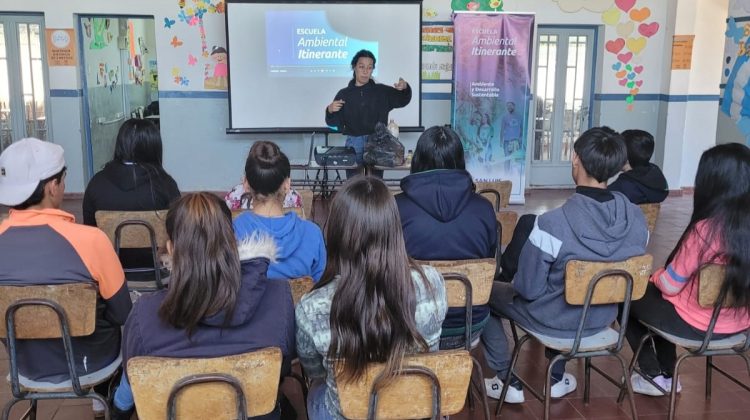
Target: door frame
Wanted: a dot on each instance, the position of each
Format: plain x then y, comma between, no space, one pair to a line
15,77
594,82
88,149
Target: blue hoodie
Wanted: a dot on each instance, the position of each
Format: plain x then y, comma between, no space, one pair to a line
300,247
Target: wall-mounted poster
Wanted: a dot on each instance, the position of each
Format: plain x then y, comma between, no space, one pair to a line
437,52
61,47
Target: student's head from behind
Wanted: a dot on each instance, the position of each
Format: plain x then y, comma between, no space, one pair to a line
598,154
640,146
439,147
139,141
363,63
32,174
267,172
723,176
205,277
367,253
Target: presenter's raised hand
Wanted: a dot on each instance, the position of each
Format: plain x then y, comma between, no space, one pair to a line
401,84
335,106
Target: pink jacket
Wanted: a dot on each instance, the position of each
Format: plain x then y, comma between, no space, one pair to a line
676,284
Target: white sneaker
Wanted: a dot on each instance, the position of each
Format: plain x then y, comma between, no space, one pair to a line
666,383
494,387
643,386
98,408
566,385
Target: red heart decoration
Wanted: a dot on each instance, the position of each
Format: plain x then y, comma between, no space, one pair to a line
615,46
623,81
625,5
638,69
625,57
648,29
639,83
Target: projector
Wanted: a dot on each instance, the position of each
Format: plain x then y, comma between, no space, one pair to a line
335,156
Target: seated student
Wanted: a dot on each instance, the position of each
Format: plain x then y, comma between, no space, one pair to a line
718,233
641,181
301,251
373,303
444,219
593,225
42,244
219,302
133,180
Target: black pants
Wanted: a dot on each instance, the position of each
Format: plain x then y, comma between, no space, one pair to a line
509,259
658,356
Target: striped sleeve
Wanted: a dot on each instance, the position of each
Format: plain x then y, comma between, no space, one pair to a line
675,276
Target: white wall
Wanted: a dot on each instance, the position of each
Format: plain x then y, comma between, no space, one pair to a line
200,156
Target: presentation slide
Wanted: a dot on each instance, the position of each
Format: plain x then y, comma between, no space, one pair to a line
288,60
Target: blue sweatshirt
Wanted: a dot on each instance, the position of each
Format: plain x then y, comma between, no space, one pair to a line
300,247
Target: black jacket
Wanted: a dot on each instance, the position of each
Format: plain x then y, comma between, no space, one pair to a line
366,105
444,219
642,184
129,188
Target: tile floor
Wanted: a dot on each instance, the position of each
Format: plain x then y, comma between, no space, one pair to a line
728,402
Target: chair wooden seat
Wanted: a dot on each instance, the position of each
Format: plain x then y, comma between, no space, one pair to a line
299,287
716,344
598,341
87,381
153,380
409,396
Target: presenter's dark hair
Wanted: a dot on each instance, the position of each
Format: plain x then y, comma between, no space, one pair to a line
601,151
266,168
139,141
640,145
367,252
439,147
205,276
362,54
722,199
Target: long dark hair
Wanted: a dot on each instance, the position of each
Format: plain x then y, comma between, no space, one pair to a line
439,147
205,276
372,312
722,199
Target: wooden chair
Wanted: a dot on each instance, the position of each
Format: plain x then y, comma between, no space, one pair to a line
709,296
299,287
651,212
308,202
498,190
507,219
428,385
586,284
236,387
137,229
58,311
468,283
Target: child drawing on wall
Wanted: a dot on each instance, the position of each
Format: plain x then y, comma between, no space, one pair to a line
219,78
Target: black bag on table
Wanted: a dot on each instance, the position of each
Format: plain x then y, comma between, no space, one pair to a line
382,149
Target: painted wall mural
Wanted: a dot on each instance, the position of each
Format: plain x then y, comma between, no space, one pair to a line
735,101
188,32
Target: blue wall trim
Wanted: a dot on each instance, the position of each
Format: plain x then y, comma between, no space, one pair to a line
657,97
436,82
65,93
219,94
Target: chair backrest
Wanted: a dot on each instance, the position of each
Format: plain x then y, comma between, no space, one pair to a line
651,212
508,220
153,378
709,286
410,396
579,274
502,187
77,300
308,198
480,272
134,236
299,287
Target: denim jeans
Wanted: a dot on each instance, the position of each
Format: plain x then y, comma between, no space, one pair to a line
316,402
124,395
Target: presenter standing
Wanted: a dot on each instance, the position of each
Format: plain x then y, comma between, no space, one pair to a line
358,107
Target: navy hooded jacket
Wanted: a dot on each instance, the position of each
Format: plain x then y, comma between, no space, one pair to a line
444,219
642,184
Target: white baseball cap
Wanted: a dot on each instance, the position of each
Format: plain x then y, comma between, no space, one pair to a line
23,164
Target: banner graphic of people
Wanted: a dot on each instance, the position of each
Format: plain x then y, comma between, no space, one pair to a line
492,85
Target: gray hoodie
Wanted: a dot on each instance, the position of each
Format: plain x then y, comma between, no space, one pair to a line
583,229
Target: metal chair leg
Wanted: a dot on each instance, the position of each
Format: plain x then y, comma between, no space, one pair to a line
8,406
586,379
506,381
675,379
482,390
102,400
709,365
631,367
32,411
548,384
628,386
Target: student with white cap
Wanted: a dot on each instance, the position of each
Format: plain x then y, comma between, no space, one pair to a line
41,244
